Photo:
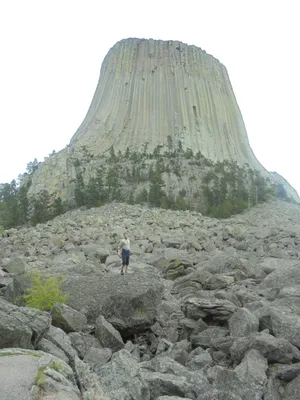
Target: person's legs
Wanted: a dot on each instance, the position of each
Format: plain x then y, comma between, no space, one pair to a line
123,262
127,262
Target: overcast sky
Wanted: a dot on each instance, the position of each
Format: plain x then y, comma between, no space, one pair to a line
51,54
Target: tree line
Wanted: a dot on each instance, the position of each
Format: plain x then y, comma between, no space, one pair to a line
225,189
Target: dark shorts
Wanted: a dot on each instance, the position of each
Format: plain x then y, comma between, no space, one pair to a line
125,257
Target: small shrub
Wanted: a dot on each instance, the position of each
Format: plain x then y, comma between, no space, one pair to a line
40,379
44,293
56,365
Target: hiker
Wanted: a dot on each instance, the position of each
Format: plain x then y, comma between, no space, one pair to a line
125,253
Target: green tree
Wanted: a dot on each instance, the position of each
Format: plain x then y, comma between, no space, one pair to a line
170,144
22,205
112,181
44,293
32,166
8,204
112,155
92,193
156,151
40,208
58,207
127,153
180,148
156,193
79,190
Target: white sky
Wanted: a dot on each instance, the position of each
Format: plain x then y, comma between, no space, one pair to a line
51,54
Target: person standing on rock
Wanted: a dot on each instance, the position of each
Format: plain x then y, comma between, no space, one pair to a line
124,252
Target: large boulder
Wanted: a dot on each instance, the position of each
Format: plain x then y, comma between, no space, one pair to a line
82,342
286,325
107,335
243,323
22,326
273,349
122,379
67,319
206,337
28,374
96,358
167,377
247,380
59,338
284,276
219,309
292,390
16,265
49,347
130,303
88,382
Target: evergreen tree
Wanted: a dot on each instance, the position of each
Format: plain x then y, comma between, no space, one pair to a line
170,144
92,193
79,190
58,207
32,166
112,158
112,181
156,194
40,212
22,205
127,153
8,204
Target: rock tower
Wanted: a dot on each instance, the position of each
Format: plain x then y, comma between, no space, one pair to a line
154,94
150,90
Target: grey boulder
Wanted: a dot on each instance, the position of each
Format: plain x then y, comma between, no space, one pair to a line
274,349
243,323
67,319
130,303
96,358
107,335
82,342
22,326
122,379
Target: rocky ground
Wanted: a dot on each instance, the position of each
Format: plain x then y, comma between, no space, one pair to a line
210,309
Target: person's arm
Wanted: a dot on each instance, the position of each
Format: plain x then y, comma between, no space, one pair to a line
119,248
131,252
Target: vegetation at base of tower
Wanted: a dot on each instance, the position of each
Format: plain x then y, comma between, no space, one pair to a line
15,209
216,189
44,293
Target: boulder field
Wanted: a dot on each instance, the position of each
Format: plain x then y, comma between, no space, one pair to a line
209,309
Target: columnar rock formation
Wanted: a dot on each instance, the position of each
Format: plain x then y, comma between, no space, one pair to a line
151,89
154,94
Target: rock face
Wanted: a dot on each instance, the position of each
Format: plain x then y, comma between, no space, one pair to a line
151,95
151,89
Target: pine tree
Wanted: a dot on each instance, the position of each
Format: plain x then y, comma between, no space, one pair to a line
79,190
40,212
58,207
156,194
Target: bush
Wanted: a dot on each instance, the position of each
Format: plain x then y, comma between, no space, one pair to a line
44,293
228,208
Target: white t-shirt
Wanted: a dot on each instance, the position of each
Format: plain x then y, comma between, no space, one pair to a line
125,244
